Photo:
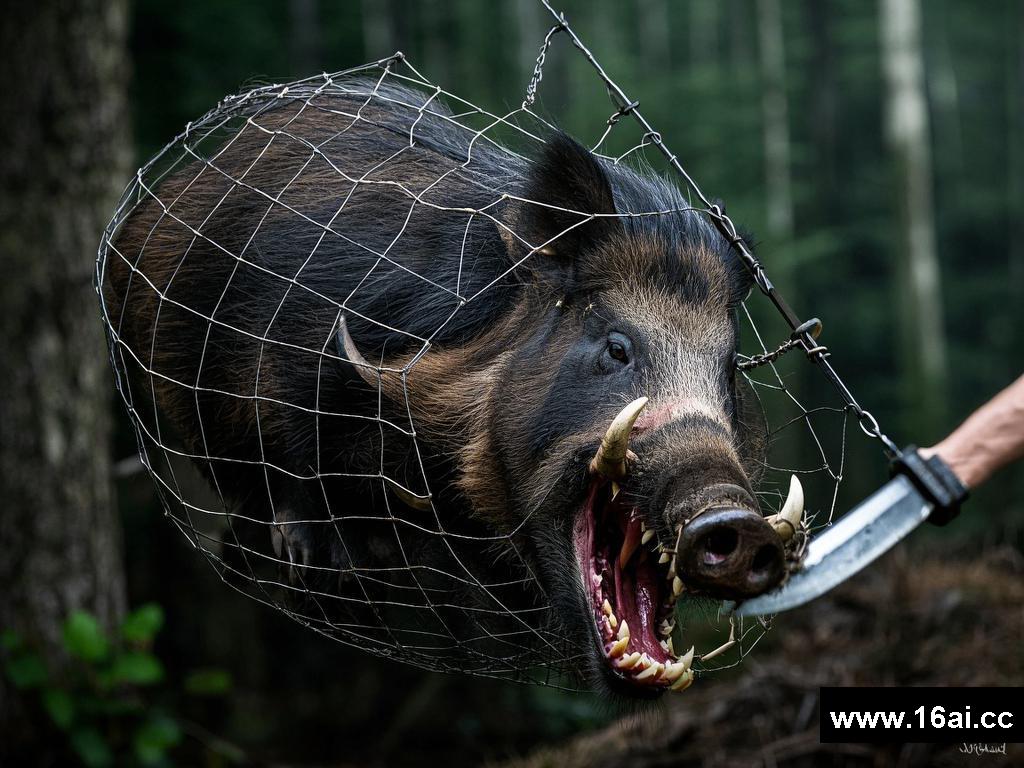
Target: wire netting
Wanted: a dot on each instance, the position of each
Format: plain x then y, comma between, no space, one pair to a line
345,522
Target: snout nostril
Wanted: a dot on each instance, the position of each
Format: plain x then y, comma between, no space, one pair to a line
764,559
730,553
719,544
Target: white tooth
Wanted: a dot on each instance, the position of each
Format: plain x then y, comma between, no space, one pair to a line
664,645
628,661
671,649
685,681
666,627
673,671
607,608
665,557
643,526
648,535
623,631
787,521
618,648
612,621
687,658
653,670
677,586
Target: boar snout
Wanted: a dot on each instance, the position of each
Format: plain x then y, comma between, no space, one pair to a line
730,553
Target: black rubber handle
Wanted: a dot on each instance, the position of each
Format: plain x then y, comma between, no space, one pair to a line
934,480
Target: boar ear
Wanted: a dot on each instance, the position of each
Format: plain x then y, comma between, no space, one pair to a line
565,186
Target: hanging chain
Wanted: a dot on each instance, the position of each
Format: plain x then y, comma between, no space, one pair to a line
538,68
803,332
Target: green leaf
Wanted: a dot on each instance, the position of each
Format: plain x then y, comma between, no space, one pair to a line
142,624
27,670
137,668
208,682
61,707
84,638
154,737
10,640
91,747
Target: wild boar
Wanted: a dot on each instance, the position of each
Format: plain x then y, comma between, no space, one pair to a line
471,399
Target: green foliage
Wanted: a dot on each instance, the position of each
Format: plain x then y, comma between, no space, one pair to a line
108,695
84,639
142,624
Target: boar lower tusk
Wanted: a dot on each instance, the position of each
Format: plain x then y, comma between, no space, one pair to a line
787,521
610,460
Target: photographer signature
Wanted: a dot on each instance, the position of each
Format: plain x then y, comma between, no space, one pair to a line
983,749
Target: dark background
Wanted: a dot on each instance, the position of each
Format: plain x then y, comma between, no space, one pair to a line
780,109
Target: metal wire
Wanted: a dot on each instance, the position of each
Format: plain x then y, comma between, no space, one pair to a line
413,585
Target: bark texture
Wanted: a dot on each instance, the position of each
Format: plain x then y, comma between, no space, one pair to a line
908,134
65,158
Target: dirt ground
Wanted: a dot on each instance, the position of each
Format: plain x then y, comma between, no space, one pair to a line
918,619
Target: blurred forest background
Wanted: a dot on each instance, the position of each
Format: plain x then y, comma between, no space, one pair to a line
876,150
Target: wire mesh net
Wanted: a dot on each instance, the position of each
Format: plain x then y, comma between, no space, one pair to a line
320,491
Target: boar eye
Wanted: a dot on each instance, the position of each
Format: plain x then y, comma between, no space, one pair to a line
618,348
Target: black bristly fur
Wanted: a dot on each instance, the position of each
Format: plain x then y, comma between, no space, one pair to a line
260,395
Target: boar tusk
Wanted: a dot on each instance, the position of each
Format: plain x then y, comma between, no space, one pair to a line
389,381
787,521
419,503
610,460
366,371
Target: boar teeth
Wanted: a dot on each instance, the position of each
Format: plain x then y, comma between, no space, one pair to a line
618,647
677,586
665,557
653,670
674,671
646,538
787,521
623,633
628,661
606,607
610,460
685,681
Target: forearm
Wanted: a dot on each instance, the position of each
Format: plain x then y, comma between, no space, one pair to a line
991,437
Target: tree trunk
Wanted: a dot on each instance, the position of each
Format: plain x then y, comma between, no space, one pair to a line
824,209
920,291
65,159
776,122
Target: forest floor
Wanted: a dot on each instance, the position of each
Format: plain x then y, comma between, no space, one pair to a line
922,621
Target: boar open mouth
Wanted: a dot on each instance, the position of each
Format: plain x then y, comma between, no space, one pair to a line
627,574
630,588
